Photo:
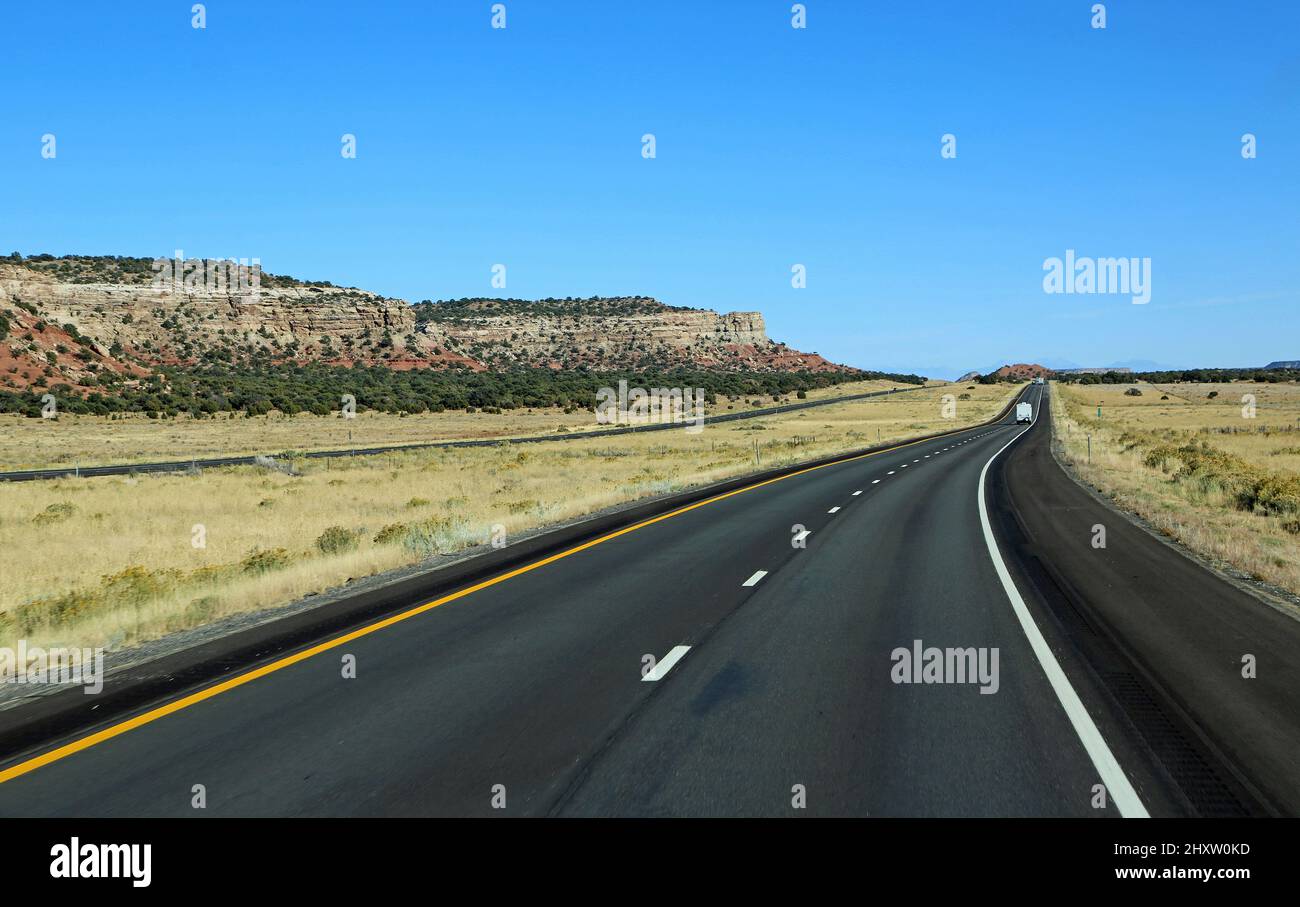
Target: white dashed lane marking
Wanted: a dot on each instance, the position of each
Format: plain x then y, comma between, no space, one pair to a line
753,580
663,667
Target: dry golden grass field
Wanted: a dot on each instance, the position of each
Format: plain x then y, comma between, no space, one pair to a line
1216,473
92,440
119,560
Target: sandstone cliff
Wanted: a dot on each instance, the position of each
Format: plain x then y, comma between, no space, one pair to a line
70,319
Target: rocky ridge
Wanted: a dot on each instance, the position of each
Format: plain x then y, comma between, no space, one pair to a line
83,320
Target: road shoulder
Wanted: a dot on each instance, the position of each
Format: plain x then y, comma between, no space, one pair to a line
1157,640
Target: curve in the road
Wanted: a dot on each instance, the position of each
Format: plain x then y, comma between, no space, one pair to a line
171,707
697,663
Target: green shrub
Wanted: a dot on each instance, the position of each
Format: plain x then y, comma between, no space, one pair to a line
137,584
262,560
427,536
1251,488
1273,493
391,534
56,610
337,540
55,513
134,585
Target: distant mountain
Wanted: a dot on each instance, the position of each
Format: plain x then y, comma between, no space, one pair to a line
1284,363
88,320
1143,365
1022,371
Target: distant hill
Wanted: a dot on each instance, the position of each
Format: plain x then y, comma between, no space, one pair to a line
1021,371
1284,363
88,321
1139,365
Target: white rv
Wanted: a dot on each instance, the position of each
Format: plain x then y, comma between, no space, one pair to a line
1024,412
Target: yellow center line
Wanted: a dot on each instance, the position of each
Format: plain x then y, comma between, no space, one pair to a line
185,702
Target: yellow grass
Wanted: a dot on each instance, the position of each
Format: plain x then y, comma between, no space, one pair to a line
112,561
73,440
1221,478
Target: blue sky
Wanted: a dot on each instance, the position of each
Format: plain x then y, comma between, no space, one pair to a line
775,146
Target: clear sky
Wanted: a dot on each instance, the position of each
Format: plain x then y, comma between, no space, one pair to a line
775,146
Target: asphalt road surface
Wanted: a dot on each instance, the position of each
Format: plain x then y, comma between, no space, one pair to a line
1166,638
771,690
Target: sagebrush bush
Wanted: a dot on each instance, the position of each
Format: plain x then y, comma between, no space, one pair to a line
391,534
260,560
337,540
1251,487
132,586
55,513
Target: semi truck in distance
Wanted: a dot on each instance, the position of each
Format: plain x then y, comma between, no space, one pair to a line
1024,413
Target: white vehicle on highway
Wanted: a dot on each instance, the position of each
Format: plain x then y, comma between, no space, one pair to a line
1024,412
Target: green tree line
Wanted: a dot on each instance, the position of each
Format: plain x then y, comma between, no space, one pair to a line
317,388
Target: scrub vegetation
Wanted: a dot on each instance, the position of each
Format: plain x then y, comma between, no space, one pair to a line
1216,467
119,560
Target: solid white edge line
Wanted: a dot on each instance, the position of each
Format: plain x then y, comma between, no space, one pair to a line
1112,775
663,667
753,580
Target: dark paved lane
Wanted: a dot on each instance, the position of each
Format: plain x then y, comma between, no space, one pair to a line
535,683
795,687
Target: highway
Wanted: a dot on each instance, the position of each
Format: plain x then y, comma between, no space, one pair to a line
771,692
122,469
